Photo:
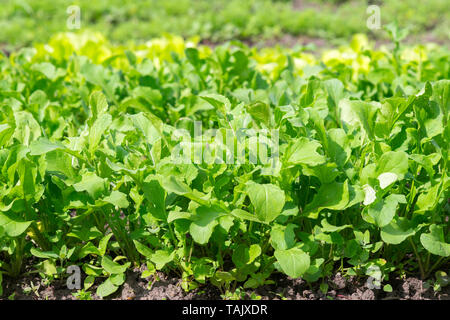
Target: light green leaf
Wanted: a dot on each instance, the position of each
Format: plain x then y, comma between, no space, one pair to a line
30,128
44,255
244,215
294,262
46,68
143,249
102,245
434,241
156,196
92,184
118,199
175,215
267,199
88,282
97,130
113,267
43,145
161,257
205,220
441,94
172,184
98,104
338,146
429,199
13,226
106,288
260,111
335,90
395,233
333,196
393,162
219,102
326,227
362,113
244,255
146,127
383,210
304,151
282,237
426,161
118,279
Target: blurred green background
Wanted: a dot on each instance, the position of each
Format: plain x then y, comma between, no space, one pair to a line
23,22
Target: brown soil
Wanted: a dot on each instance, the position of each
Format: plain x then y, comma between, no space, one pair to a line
4,50
168,287
302,5
290,41
317,45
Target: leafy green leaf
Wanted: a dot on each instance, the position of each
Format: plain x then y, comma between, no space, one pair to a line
112,267
393,162
161,257
106,288
92,184
143,249
304,151
383,210
395,233
12,225
294,262
205,220
334,196
118,199
434,241
267,199
42,146
243,254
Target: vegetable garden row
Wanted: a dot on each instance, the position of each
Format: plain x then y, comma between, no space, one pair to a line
87,176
